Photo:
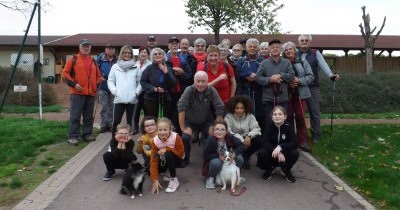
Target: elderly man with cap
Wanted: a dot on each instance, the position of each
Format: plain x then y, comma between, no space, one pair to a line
183,75
151,42
105,60
82,75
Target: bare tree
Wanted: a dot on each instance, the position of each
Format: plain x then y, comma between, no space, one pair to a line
369,39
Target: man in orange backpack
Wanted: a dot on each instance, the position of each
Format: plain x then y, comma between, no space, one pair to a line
82,75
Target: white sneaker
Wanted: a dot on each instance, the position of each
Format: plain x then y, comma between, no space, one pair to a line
172,185
210,183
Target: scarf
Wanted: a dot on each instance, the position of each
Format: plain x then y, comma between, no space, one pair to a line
126,65
200,60
170,142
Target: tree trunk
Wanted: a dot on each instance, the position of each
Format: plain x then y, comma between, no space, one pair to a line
369,55
216,36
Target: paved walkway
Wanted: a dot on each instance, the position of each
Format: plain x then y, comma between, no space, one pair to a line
78,185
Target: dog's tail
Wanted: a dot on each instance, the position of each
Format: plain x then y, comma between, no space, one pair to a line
242,189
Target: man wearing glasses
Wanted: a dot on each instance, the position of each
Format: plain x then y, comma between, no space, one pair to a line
82,75
315,59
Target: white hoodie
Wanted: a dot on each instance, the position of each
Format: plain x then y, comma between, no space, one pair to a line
124,85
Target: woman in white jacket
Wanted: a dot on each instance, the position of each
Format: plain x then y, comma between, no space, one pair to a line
124,84
243,125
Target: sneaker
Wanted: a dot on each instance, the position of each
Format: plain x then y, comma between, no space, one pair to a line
172,185
73,141
103,129
89,137
108,175
210,183
246,163
267,175
288,175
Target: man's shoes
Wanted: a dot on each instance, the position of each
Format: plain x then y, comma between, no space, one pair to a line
184,163
104,129
246,163
108,175
210,183
172,185
89,138
288,175
73,141
267,175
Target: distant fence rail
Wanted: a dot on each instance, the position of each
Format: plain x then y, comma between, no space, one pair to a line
357,64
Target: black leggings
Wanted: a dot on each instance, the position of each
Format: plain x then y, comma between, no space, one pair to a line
172,162
266,162
119,110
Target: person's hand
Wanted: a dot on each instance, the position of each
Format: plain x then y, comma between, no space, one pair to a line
281,157
335,77
78,88
294,83
276,78
163,67
162,151
222,77
178,71
159,90
156,186
188,131
247,141
276,151
251,77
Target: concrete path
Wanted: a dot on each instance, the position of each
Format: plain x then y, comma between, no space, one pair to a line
78,185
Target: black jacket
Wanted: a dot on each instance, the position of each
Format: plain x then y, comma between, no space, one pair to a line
153,77
126,154
283,136
211,149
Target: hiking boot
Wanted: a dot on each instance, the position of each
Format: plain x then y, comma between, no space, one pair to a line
73,141
210,183
172,185
267,175
246,163
89,138
288,175
108,175
103,129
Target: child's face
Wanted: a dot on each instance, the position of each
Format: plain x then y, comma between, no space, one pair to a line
150,126
278,117
123,134
164,130
219,131
239,109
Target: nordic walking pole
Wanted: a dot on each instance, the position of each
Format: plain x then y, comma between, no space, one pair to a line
333,78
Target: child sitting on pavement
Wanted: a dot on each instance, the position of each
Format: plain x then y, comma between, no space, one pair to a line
148,130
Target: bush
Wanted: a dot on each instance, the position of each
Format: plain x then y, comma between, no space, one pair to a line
361,93
29,98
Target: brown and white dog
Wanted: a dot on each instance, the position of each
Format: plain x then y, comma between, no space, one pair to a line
229,172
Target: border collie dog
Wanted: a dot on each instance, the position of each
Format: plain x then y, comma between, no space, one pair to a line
229,172
132,182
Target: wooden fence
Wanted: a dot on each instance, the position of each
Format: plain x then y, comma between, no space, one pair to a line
356,64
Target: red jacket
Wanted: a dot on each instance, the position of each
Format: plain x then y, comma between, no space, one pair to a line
89,83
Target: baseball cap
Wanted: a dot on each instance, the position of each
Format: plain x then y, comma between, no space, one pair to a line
151,37
173,39
84,42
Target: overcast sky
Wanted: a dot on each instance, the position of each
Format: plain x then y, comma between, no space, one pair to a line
168,16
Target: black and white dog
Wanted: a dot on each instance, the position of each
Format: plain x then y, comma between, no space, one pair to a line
229,172
132,182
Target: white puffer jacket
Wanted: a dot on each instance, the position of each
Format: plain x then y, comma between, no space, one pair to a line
124,85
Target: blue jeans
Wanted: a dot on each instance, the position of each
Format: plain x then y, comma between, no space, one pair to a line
215,165
81,105
106,100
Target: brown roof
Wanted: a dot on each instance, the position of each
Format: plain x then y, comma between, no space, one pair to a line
324,42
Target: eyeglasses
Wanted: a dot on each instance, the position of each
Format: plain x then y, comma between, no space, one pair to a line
236,50
128,53
219,129
198,46
157,53
148,125
304,40
123,134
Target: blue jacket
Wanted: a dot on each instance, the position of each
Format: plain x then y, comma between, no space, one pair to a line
315,59
105,68
153,77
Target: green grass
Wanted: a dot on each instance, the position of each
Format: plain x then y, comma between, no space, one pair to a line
386,115
31,150
31,109
367,157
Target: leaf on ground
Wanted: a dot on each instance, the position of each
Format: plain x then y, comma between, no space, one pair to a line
397,162
335,163
339,187
383,204
371,156
337,158
367,192
384,165
381,139
395,167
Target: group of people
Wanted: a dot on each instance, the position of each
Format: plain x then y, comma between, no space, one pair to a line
250,99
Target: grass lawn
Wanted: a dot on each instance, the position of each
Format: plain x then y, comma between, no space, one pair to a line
31,150
386,115
31,109
367,157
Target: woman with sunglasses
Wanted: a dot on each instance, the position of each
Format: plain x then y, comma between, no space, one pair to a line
157,81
